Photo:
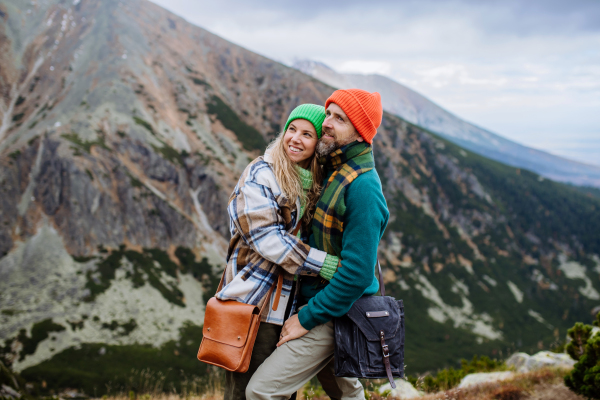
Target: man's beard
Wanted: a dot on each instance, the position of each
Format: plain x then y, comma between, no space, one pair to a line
326,148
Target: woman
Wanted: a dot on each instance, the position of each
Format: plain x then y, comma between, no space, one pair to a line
276,194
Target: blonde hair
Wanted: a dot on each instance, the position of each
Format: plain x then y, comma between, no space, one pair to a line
289,180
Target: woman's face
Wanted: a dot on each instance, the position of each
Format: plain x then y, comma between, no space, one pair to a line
300,141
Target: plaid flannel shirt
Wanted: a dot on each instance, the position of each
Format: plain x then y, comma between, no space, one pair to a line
262,245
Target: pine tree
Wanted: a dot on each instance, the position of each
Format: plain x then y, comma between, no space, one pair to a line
584,379
579,334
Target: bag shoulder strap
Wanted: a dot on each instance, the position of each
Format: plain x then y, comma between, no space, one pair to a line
384,347
381,284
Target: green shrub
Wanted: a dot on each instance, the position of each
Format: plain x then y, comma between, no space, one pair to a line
250,138
144,124
200,82
170,154
18,117
202,271
85,144
580,334
449,377
584,379
39,332
98,369
144,270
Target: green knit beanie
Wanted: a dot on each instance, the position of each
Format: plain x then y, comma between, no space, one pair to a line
313,113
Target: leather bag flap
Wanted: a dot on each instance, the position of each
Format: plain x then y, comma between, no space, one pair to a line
228,322
370,327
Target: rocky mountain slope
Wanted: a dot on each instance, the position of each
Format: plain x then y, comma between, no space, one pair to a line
124,130
417,109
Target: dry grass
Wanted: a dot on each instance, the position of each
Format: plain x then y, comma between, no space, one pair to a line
545,384
167,396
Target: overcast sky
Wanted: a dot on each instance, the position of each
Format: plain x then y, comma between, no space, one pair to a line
528,70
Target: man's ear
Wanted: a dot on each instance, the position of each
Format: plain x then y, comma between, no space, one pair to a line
358,137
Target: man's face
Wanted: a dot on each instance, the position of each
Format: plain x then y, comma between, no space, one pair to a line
338,131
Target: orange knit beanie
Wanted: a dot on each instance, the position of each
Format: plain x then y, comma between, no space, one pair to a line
363,108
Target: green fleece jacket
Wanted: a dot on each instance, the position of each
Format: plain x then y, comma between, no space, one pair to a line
365,221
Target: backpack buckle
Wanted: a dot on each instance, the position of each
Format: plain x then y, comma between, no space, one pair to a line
386,352
384,347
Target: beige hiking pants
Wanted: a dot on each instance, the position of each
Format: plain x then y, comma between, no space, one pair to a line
294,363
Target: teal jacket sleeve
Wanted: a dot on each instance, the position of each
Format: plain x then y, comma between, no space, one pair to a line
365,220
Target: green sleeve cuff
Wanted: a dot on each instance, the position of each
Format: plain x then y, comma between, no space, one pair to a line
329,267
306,319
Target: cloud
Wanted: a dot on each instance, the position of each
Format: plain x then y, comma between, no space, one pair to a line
366,67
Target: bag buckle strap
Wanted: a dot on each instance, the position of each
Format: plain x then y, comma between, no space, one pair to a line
386,359
386,352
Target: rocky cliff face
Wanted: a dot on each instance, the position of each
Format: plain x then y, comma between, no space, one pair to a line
124,130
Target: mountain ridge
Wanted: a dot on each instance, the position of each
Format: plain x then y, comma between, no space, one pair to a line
415,108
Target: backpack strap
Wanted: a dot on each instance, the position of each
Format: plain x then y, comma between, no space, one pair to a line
381,284
386,357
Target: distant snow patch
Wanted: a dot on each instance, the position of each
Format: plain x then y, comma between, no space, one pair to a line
490,280
403,284
515,291
458,286
462,317
538,317
539,278
597,261
574,270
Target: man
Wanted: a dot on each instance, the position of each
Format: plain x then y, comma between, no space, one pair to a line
349,222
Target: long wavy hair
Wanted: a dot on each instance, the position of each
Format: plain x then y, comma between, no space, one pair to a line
289,180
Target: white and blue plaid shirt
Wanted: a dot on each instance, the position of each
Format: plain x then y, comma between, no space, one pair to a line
262,245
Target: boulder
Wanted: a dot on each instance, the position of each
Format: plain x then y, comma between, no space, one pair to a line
518,361
525,363
72,394
484,377
9,393
404,390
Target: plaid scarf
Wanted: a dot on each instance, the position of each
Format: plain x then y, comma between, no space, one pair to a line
328,223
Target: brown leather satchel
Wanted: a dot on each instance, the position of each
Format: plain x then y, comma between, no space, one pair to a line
230,329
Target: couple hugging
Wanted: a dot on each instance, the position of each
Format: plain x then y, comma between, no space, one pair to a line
318,175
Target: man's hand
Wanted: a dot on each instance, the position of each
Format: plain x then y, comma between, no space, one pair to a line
292,329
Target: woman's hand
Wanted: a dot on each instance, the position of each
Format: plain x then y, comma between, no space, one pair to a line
292,329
